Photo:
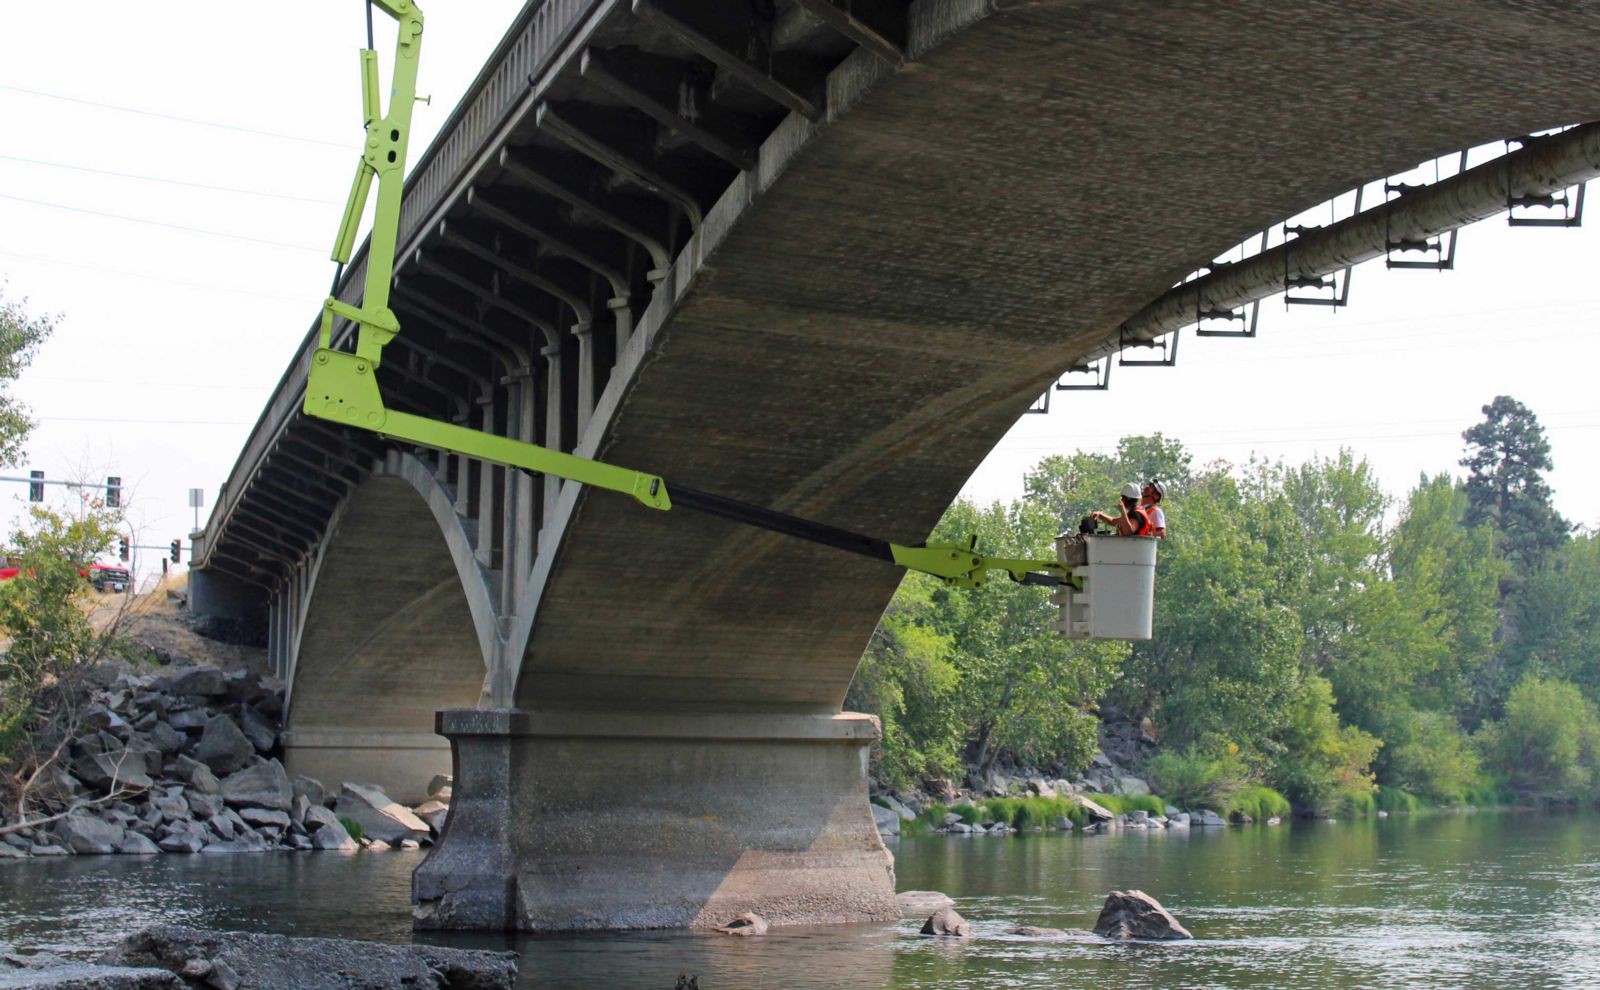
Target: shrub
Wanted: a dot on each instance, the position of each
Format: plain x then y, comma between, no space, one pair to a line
353,827
1193,778
1258,803
1489,795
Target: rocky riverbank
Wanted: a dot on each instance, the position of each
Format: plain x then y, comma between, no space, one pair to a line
185,759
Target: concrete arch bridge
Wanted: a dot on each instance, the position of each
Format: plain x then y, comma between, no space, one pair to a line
817,255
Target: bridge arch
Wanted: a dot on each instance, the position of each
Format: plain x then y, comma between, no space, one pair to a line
397,615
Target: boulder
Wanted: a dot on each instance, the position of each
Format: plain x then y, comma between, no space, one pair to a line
1095,811
950,818
1135,914
84,976
333,838
108,771
1132,786
134,844
85,834
898,807
317,817
887,821
434,813
379,816
745,925
223,746
8,851
189,719
312,790
1063,823
279,962
441,787
165,738
913,903
203,805
263,735
1207,819
946,921
1178,819
961,828
262,817
264,785
1029,931
181,842
47,849
205,682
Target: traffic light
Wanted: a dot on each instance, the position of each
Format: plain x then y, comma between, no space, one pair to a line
113,492
177,548
36,486
122,548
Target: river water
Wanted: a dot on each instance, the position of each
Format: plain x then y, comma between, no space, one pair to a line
1457,901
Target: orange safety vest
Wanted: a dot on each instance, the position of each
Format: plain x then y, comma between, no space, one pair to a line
1143,526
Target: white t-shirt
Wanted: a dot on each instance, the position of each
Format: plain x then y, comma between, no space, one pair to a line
1158,519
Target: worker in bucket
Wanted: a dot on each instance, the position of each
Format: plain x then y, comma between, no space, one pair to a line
1132,521
1150,501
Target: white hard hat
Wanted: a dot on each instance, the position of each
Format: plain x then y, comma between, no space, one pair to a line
1161,490
1130,490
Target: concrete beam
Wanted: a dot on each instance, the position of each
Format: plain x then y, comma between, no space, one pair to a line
1543,166
583,204
640,84
609,154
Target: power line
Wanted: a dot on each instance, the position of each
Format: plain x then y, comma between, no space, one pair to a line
278,135
225,290
144,422
161,223
170,182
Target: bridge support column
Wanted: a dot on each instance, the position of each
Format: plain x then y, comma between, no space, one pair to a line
564,821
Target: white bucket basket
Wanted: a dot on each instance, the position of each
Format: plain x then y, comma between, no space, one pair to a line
1119,586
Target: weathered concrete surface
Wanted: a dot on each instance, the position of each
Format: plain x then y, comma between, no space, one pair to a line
280,962
388,638
857,332
567,821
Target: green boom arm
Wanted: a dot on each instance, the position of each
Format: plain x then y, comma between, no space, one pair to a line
342,387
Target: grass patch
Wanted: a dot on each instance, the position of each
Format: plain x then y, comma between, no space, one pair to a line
1360,804
1258,803
1398,802
970,813
353,827
1122,804
1489,795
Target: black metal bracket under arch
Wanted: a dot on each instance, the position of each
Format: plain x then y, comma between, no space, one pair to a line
1167,344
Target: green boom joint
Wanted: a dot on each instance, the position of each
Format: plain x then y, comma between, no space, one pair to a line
343,387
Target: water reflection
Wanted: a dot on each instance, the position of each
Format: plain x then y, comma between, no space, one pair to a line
1437,901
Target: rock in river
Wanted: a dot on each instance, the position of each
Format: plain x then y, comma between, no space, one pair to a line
277,962
946,921
1135,914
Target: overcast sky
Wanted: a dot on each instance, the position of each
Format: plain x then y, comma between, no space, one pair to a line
187,261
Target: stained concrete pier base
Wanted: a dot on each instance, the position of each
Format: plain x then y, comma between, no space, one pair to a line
565,821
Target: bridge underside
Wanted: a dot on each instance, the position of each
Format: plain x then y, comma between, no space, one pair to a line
843,328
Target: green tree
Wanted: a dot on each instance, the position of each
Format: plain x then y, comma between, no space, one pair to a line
1320,761
1426,753
1557,618
1224,659
1506,459
1070,485
1548,744
1447,576
20,337
1024,689
907,680
52,643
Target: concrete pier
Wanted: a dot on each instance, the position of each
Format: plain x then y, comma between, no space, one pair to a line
567,821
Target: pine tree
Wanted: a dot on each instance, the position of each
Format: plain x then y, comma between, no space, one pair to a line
1507,456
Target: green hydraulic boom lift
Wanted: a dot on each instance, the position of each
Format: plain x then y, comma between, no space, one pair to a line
343,388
